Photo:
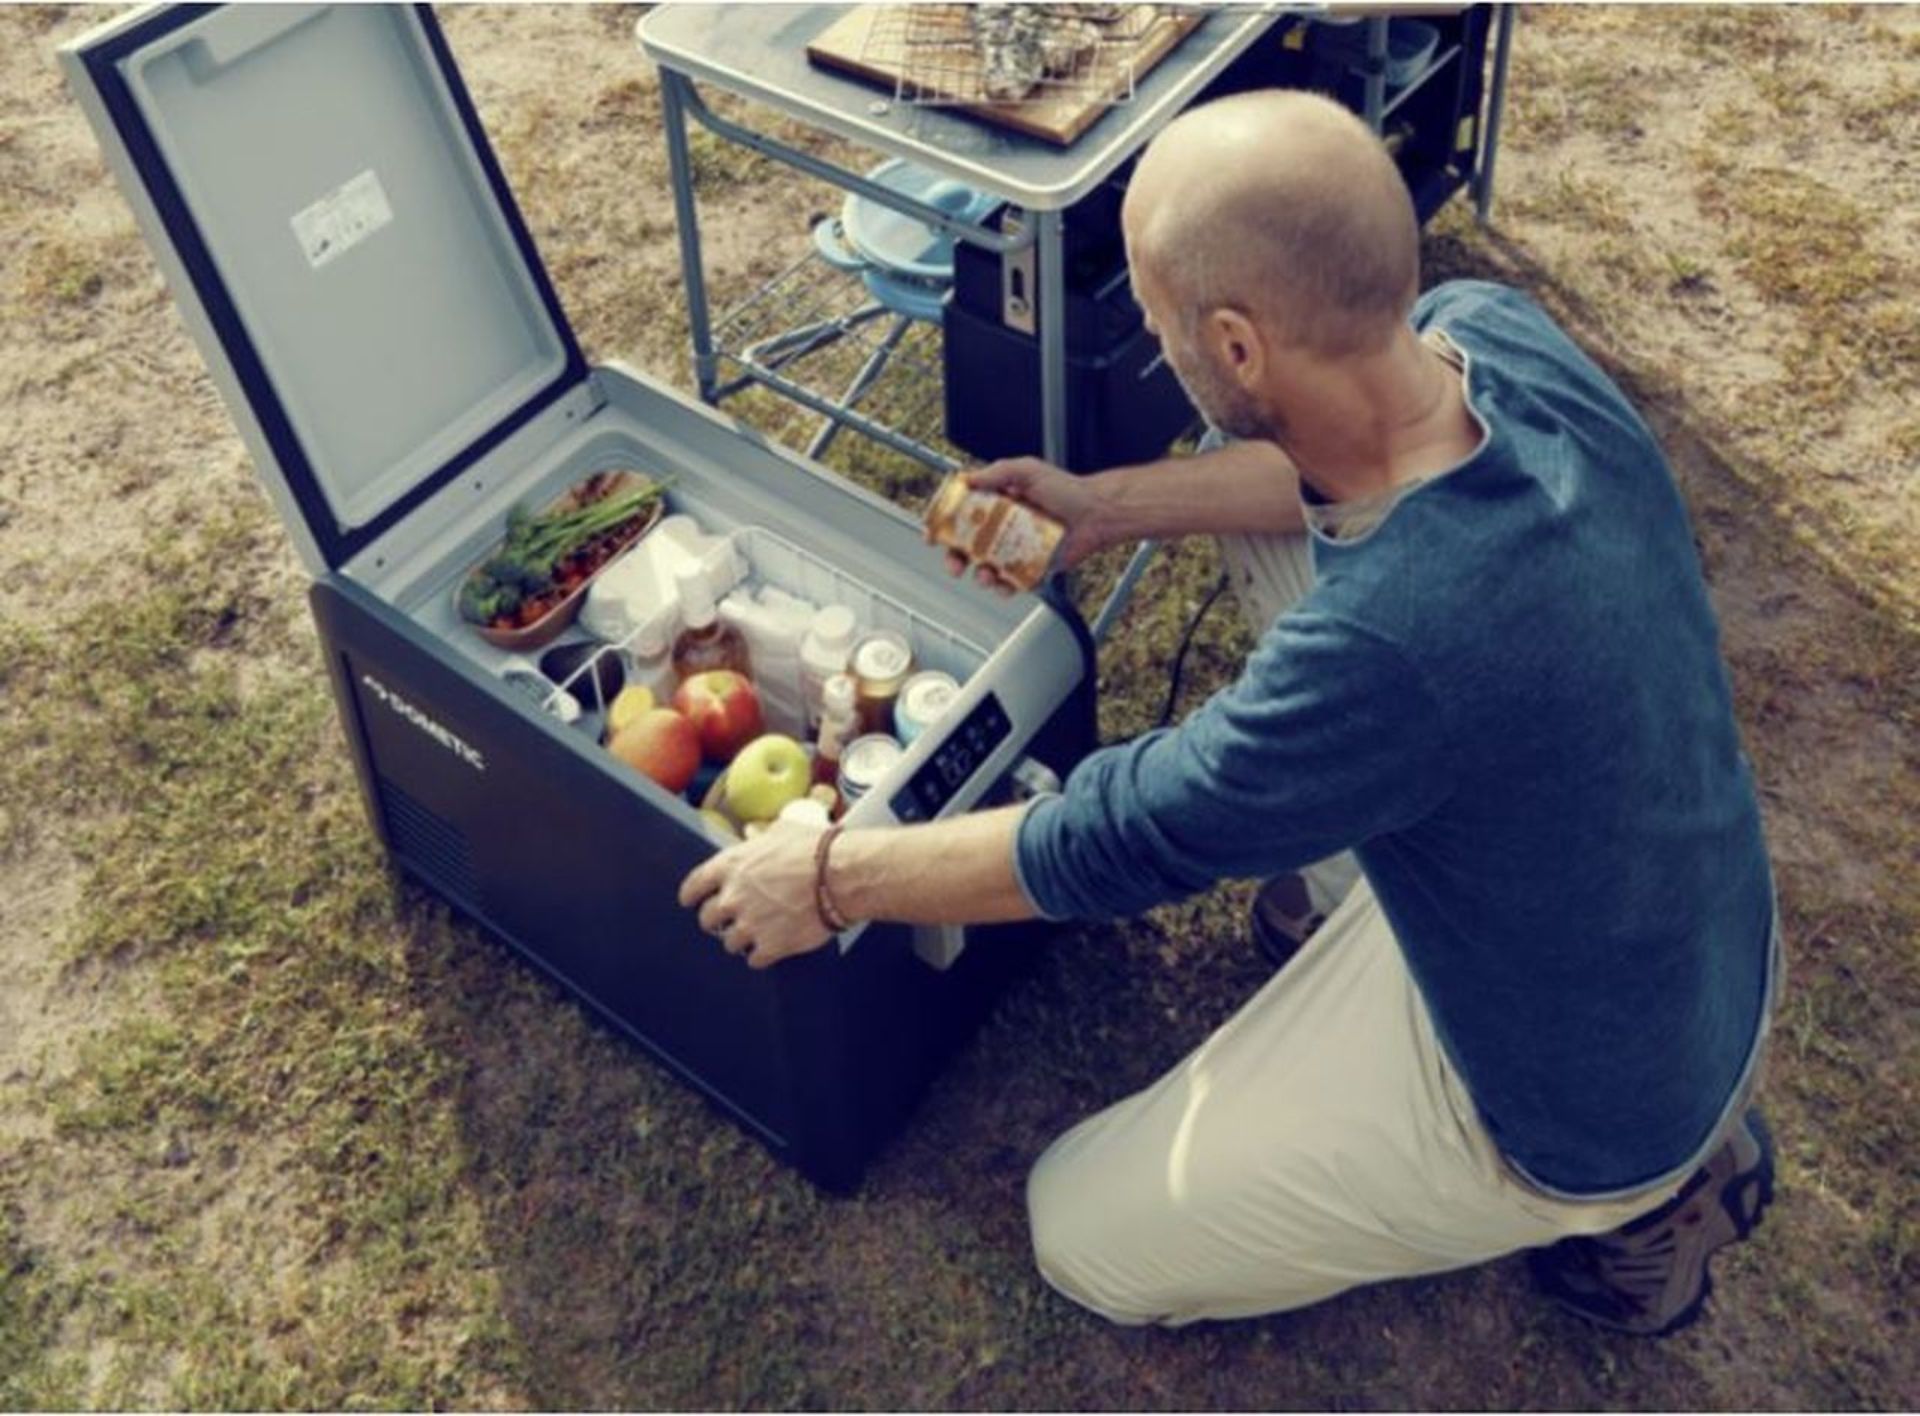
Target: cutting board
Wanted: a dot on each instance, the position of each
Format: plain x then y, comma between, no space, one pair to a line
851,45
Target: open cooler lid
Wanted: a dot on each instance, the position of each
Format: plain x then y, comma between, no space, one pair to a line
322,178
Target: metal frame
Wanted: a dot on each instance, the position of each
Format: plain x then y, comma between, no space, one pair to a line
1504,17
680,100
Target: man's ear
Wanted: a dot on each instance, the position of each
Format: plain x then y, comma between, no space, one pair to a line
1238,347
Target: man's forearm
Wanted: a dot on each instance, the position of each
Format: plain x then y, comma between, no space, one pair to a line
946,872
1245,486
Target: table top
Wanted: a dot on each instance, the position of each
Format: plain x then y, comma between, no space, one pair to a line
760,52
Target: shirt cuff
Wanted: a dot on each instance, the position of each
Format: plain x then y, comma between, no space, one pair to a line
1020,876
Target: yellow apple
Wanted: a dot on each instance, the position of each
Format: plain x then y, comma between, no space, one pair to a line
628,706
768,773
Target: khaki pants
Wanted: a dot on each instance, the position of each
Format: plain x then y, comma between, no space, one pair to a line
1317,1141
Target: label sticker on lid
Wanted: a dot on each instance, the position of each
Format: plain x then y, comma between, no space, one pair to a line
342,219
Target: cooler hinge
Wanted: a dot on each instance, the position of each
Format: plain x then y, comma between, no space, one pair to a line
593,392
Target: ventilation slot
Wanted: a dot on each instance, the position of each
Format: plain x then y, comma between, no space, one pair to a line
431,845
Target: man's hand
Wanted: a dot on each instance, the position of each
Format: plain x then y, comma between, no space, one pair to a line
757,899
1074,501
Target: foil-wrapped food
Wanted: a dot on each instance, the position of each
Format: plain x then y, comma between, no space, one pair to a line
1021,45
1007,41
1093,14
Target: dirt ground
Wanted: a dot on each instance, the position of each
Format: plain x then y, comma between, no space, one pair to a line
276,1131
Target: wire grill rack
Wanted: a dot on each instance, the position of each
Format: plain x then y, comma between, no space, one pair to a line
1089,52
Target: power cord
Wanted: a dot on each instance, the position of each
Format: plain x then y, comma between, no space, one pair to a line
1186,643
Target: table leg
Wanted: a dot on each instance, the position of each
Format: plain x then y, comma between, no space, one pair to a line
870,371
1050,253
1496,103
692,270
1122,591
1376,87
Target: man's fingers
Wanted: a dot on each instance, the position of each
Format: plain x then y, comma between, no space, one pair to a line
714,916
956,563
735,939
985,576
995,477
703,880
765,955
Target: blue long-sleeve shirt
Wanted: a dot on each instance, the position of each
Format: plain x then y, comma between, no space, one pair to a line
1508,699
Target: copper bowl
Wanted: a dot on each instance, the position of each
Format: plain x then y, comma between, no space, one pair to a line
523,638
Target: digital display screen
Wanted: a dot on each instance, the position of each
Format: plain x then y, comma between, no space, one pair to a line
957,759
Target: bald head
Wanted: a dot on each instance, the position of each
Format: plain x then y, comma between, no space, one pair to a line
1283,205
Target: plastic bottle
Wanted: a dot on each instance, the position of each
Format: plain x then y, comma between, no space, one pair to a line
823,653
652,662
773,636
705,643
839,725
807,812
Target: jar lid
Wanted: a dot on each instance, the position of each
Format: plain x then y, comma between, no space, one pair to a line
833,625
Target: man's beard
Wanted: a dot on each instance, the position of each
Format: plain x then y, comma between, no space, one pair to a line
1223,403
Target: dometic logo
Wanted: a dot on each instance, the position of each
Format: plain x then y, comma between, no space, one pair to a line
441,734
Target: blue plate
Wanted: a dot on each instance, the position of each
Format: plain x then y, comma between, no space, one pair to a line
922,300
896,242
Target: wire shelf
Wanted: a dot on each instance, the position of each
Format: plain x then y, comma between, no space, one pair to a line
954,55
763,558
818,336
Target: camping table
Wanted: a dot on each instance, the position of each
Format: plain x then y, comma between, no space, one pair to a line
758,52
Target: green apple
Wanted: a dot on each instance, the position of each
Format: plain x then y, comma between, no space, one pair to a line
769,772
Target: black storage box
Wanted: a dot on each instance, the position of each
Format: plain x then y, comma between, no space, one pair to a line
1121,406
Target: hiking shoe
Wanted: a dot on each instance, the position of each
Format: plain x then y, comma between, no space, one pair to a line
1283,917
1650,1275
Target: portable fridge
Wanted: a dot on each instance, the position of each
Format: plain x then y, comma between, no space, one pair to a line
316,188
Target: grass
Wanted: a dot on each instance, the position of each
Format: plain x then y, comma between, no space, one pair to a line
60,274
232,874
1762,200
310,1142
33,1374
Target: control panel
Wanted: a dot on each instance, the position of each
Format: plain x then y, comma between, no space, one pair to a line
968,746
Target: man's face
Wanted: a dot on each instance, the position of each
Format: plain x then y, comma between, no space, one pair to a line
1213,391
1209,386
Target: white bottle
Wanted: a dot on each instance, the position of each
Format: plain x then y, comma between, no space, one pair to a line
651,660
773,646
839,725
823,653
806,811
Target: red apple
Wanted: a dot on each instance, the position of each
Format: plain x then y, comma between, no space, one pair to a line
662,744
723,708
